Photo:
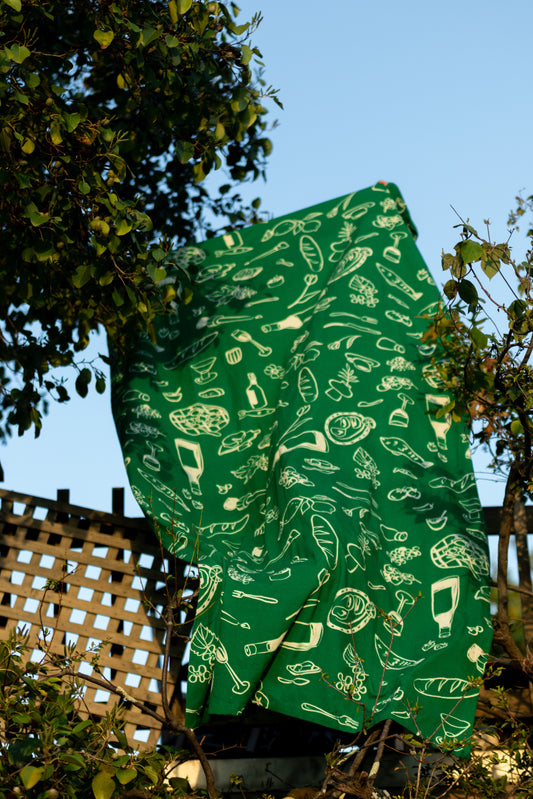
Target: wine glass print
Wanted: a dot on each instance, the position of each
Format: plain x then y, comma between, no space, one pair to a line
203,368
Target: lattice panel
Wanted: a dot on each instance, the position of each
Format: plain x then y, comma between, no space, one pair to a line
99,598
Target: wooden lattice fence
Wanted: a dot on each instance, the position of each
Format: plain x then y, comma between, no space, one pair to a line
96,582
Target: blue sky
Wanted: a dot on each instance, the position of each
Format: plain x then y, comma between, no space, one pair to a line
432,96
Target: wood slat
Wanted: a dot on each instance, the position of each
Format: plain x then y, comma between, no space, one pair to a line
74,535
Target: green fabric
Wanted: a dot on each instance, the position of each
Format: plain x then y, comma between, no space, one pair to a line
282,432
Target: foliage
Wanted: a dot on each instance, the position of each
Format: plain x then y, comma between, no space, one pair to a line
487,343
111,116
47,750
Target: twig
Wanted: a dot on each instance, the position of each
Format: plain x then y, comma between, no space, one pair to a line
506,528
379,754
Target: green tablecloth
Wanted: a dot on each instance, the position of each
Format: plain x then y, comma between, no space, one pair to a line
282,433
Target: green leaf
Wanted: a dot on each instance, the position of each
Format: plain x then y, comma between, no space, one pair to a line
469,251
246,54
100,226
84,187
16,5
479,339
172,41
106,279
44,250
450,289
28,146
82,382
104,38
183,6
32,80
100,384
238,30
35,216
55,132
125,775
121,738
468,293
30,775
81,276
184,151
72,121
445,409
490,266
103,785
19,53
173,11
81,726
151,773
148,35
122,227
117,298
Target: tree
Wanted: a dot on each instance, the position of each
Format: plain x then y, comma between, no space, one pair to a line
111,115
487,343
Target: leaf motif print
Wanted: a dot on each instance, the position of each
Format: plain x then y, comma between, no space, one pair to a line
204,643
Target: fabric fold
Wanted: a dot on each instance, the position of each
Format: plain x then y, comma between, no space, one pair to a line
288,432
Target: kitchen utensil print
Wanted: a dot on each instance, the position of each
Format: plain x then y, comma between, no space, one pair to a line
244,337
150,458
221,656
392,253
445,595
343,720
217,321
192,462
268,600
291,322
233,620
282,245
